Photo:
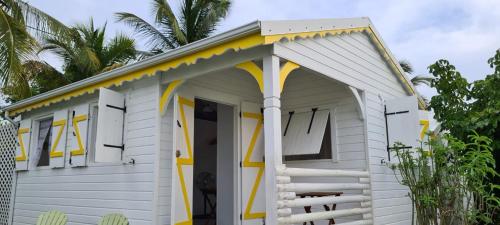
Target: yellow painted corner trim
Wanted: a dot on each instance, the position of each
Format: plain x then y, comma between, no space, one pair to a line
81,149
425,128
255,71
167,94
185,161
20,133
285,71
235,45
54,153
248,214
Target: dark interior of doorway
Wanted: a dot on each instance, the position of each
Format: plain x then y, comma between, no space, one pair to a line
205,163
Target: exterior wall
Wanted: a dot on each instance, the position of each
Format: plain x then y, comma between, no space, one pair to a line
353,59
85,194
165,173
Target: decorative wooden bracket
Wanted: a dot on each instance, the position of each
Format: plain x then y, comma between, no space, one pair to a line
360,105
285,70
257,73
167,95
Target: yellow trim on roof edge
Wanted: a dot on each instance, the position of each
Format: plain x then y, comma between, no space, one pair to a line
236,45
378,43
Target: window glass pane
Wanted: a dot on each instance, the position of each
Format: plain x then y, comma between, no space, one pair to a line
44,142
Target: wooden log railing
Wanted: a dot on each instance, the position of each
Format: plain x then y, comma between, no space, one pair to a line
287,195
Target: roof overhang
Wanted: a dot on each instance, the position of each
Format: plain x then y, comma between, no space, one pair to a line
248,36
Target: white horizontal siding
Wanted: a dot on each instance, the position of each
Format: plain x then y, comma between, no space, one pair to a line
86,194
353,59
165,176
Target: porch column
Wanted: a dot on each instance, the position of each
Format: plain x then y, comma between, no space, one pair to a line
272,134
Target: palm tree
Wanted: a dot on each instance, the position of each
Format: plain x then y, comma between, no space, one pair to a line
20,25
197,20
37,77
86,53
418,79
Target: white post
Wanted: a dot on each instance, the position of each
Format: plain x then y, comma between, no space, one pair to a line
272,134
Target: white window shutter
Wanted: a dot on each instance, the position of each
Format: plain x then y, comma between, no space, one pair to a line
23,148
303,137
110,118
402,121
59,131
78,135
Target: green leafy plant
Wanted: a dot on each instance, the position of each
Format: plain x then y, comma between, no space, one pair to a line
446,178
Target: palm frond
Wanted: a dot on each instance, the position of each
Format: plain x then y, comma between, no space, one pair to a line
165,17
156,38
421,80
120,49
40,23
210,14
406,66
16,46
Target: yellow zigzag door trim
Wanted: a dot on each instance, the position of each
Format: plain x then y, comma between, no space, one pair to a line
185,161
53,152
81,149
20,133
167,93
248,215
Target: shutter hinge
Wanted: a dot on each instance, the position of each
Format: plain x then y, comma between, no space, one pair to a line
124,109
241,216
241,164
395,113
122,147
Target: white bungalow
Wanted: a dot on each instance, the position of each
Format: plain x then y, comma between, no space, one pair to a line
244,127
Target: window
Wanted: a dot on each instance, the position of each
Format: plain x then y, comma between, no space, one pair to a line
307,135
43,143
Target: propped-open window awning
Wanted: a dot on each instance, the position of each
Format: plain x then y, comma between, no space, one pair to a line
303,132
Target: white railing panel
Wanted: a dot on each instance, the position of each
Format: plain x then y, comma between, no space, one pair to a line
305,217
301,202
359,222
303,172
312,187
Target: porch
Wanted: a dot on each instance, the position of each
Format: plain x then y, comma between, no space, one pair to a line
271,169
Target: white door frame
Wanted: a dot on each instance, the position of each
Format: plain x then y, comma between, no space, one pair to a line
234,101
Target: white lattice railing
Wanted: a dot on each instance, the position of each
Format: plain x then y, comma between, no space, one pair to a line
8,144
287,198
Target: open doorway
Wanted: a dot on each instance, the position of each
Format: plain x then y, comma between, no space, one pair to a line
214,170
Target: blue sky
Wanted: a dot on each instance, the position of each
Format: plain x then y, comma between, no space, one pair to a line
423,31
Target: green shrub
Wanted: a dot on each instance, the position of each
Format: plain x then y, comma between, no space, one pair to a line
446,178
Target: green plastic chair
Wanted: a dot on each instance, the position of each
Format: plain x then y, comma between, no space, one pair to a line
52,217
113,219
